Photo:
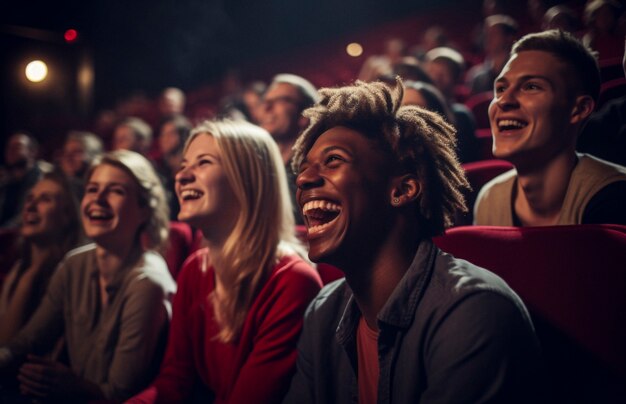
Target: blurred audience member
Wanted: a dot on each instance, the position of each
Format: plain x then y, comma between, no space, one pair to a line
446,67
173,134
171,102
601,17
408,68
434,36
604,134
244,104
79,151
429,97
109,300
380,65
500,34
20,172
50,228
537,10
133,134
542,98
281,115
561,17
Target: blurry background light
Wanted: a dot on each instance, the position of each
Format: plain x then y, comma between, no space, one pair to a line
70,35
354,49
36,71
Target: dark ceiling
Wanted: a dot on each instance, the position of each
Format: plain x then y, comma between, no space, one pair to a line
146,45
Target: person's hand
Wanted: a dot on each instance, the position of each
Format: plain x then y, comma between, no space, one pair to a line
42,377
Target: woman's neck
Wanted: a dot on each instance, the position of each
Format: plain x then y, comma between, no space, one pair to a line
111,261
39,254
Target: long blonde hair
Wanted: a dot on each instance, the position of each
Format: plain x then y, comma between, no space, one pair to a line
265,227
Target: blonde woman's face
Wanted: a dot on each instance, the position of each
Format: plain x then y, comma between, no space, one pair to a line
111,211
207,200
42,214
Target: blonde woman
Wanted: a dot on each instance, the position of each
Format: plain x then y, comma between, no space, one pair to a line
110,300
240,304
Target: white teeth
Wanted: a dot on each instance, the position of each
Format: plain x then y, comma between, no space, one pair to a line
511,123
190,194
322,205
319,227
99,215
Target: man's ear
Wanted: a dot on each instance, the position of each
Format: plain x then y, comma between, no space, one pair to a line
583,107
405,189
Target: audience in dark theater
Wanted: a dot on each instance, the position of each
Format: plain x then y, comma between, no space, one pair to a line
195,222
240,303
79,151
20,172
172,135
281,115
133,134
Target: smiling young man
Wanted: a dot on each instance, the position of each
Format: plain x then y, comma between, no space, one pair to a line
408,323
544,94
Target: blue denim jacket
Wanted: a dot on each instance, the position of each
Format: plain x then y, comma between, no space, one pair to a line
450,332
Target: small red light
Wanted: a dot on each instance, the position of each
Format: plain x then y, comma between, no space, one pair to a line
70,35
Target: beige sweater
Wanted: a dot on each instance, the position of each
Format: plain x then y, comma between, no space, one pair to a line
494,204
118,348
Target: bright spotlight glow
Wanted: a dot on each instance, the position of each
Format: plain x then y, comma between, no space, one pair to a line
36,71
354,49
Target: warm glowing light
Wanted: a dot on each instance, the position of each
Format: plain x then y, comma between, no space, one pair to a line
354,49
70,35
36,71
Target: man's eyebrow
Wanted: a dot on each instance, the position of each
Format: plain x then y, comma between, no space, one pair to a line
328,149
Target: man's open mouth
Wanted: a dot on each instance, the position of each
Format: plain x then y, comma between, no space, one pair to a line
319,214
505,125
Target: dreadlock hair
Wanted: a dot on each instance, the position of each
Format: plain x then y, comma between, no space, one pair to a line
421,142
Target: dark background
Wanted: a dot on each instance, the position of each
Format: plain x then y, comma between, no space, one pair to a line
148,45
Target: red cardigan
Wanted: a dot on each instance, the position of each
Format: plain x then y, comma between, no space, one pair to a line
256,368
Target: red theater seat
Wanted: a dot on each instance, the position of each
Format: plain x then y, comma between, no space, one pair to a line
479,105
180,245
611,90
573,281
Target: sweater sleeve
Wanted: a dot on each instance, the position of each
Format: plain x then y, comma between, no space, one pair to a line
266,374
46,324
142,329
174,383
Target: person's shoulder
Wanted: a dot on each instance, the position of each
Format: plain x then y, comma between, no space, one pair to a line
80,252
594,164
79,257
457,279
329,301
496,185
152,273
293,267
196,268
